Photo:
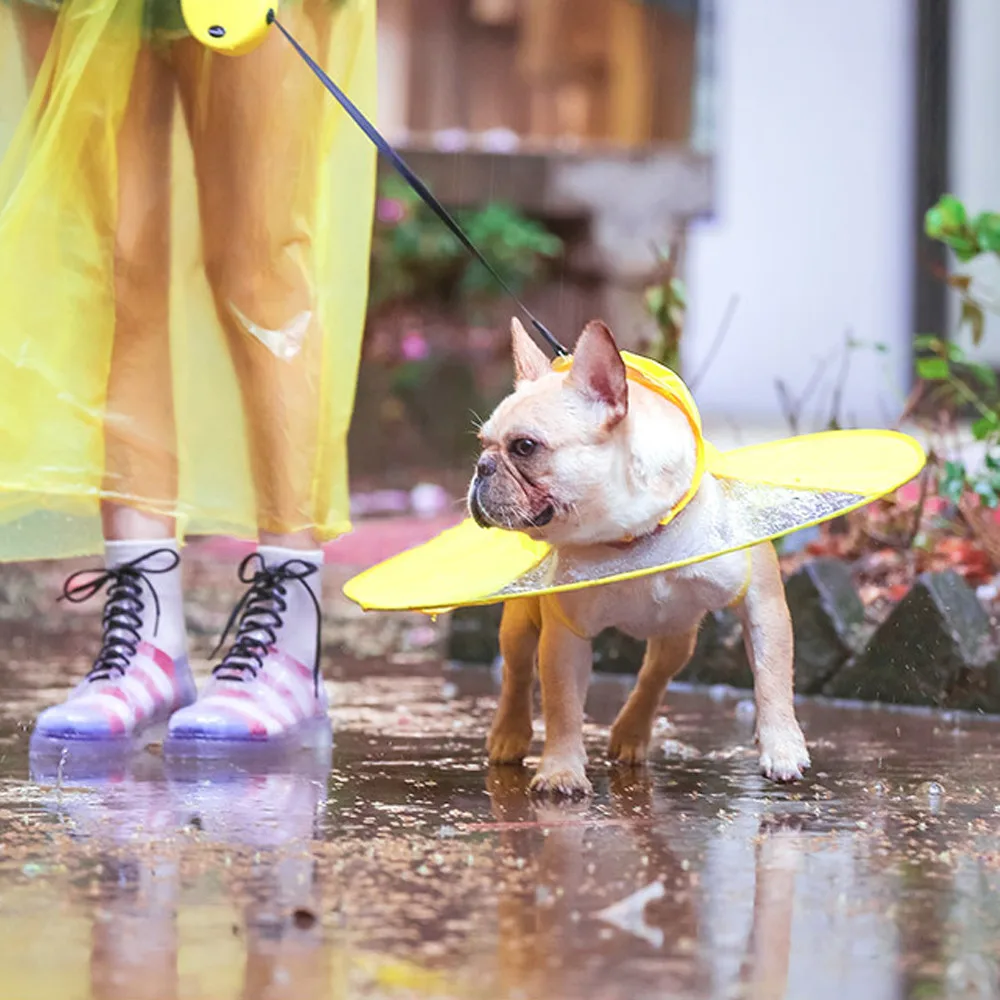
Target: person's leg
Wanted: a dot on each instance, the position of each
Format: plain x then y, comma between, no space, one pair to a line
256,127
35,26
256,124
141,675
140,443
140,481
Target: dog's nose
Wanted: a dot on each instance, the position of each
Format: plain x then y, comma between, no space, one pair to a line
486,466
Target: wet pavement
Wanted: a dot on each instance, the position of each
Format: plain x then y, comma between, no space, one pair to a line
399,865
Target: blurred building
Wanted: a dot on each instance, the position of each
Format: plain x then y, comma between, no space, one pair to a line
794,147
552,71
581,112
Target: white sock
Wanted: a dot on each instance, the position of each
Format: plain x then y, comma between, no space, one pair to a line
169,632
297,637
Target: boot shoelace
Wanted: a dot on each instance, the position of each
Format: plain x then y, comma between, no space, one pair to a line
260,613
122,621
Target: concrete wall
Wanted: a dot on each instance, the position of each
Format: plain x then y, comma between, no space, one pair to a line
812,229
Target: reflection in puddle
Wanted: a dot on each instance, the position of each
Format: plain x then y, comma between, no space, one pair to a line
136,821
398,865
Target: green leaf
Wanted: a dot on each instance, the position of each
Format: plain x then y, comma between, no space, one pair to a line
935,345
973,315
965,248
948,223
933,369
987,229
951,484
948,215
986,427
987,493
928,342
954,352
983,374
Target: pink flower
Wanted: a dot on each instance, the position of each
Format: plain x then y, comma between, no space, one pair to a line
908,497
414,346
390,211
909,494
935,506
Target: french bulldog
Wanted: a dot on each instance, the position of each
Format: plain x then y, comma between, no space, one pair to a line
587,460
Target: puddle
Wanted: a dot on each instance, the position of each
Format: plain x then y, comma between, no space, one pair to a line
398,865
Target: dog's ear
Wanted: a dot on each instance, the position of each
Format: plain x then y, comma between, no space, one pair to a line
598,372
530,362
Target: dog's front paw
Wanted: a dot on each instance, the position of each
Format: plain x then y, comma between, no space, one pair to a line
561,777
783,753
628,744
508,744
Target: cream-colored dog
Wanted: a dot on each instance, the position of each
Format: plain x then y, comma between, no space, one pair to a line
586,460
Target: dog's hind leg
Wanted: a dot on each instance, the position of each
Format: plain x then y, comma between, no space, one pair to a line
510,734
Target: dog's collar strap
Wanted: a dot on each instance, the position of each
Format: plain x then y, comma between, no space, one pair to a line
628,540
668,384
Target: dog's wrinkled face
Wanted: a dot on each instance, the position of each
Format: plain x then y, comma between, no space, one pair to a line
574,458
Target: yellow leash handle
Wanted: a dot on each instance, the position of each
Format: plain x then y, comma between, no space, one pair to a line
232,27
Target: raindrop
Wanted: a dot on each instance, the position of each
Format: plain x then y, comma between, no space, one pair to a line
934,792
59,773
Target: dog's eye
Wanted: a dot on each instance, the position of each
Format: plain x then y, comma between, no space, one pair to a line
523,447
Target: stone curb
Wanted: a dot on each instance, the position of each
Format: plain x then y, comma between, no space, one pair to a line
937,647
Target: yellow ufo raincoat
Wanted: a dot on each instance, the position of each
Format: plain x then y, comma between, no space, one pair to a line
769,490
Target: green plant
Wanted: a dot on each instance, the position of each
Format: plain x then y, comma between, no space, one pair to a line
416,260
666,302
948,222
971,384
960,381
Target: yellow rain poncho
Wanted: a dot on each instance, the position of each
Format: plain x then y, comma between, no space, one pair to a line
184,242
768,491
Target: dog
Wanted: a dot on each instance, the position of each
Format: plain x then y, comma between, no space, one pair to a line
587,460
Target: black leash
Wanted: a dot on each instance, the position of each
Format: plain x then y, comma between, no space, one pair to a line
415,182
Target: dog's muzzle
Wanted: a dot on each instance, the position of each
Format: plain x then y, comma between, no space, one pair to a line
476,505
479,514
